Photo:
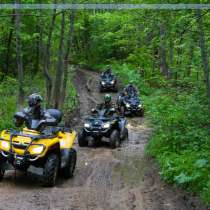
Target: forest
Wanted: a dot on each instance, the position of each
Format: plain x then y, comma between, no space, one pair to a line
166,53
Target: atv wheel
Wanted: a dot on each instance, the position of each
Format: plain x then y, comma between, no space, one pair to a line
122,110
115,139
125,137
91,141
68,171
2,171
82,140
116,89
141,113
50,170
101,89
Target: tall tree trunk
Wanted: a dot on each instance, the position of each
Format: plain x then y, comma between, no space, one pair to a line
59,71
19,57
66,56
86,36
9,41
47,60
162,48
203,48
38,40
191,55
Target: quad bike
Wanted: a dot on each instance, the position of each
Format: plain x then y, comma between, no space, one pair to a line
130,105
50,149
108,83
100,125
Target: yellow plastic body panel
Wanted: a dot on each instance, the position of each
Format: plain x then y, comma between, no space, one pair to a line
65,140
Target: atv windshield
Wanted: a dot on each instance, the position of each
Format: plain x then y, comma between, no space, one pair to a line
108,77
132,100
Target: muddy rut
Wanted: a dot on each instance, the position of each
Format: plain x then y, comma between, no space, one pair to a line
105,179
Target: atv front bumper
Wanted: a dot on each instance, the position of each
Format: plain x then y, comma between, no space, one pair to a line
97,133
133,110
108,86
21,162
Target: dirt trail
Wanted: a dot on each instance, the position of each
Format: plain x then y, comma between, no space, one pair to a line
105,179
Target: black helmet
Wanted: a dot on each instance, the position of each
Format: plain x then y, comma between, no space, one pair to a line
107,98
34,99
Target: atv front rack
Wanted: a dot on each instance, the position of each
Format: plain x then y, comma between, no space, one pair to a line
25,155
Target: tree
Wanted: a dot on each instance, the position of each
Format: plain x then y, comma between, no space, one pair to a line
66,55
19,57
59,71
47,59
204,54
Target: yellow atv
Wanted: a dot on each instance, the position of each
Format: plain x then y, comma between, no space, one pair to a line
50,149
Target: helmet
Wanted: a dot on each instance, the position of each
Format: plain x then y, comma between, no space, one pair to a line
34,99
107,98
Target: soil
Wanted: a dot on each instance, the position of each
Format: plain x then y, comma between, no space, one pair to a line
105,179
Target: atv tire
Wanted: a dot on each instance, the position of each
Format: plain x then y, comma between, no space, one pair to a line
82,140
101,89
122,110
125,137
141,113
116,89
91,141
114,139
50,170
68,171
2,171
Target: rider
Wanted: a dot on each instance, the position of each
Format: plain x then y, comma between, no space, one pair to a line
107,104
108,72
34,111
130,89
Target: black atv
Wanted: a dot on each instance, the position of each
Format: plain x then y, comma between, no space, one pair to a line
103,124
130,105
108,83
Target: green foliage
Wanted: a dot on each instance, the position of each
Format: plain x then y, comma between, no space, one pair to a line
71,101
8,94
181,138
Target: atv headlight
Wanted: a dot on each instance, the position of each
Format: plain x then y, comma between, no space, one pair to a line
112,82
5,145
106,125
37,149
140,105
86,125
103,83
128,105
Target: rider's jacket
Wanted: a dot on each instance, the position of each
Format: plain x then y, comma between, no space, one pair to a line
33,113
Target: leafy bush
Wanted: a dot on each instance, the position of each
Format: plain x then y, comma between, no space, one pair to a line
181,139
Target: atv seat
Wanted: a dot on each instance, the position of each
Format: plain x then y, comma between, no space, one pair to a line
57,114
